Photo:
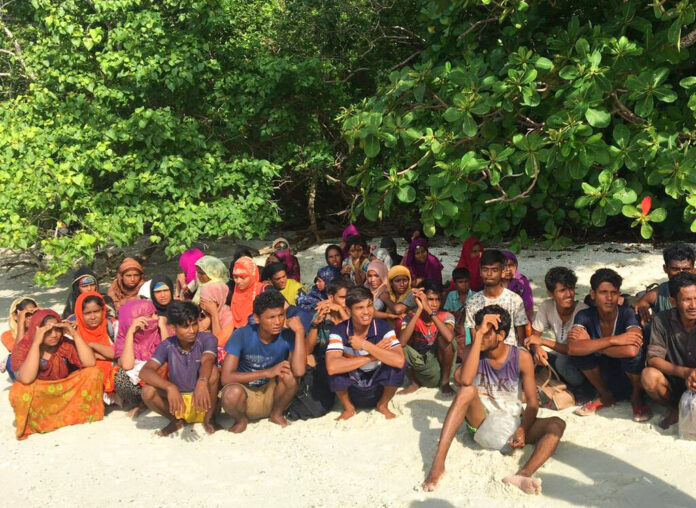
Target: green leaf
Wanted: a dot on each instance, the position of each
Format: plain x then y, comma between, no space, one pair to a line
688,82
544,63
626,196
419,92
371,146
469,126
406,194
452,114
657,215
597,117
646,230
631,212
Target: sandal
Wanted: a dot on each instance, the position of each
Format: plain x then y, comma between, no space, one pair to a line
589,408
642,414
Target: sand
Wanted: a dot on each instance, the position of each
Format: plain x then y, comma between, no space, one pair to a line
606,460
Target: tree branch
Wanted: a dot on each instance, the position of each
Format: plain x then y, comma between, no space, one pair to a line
504,197
688,40
17,51
624,111
407,60
474,26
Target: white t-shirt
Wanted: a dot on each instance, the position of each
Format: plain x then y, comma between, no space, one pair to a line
511,302
547,318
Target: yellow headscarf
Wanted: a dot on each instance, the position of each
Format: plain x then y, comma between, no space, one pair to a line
397,271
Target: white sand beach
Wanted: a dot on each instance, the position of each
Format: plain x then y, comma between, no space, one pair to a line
605,460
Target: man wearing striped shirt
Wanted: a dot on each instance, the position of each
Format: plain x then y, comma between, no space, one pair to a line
364,359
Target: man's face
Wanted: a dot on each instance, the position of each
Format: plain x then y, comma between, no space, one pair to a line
421,254
686,302
564,296
462,285
187,333
279,280
131,278
93,314
400,284
606,296
675,267
340,297
272,320
362,312
491,274
434,300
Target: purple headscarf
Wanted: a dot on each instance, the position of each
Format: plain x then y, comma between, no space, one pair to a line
144,341
520,284
431,269
351,230
291,263
187,262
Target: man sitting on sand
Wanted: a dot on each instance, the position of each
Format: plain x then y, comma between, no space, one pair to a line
672,350
490,379
426,336
189,395
364,359
263,362
607,338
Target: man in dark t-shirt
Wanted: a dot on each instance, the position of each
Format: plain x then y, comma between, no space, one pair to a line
671,355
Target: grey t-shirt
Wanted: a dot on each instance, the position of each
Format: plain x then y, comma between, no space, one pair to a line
547,318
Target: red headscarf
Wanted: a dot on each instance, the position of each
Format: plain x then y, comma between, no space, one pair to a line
243,299
56,367
472,264
118,292
100,334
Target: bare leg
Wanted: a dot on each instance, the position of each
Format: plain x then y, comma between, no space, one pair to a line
658,389
445,355
156,400
348,407
411,387
466,404
383,402
209,423
636,390
285,389
545,433
594,376
234,403
136,410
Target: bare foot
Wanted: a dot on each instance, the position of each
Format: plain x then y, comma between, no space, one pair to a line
347,413
211,427
409,389
239,426
385,411
526,484
669,420
173,426
278,420
447,390
436,473
133,413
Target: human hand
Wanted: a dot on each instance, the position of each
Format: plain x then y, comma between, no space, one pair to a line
68,327
295,325
385,343
25,314
201,396
490,322
643,309
578,333
518,438
541,356
357,342
42,332
632,337
176,401
532,340
691,380
281,369
139,323
208,306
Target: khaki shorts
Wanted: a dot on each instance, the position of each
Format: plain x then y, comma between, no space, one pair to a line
259,401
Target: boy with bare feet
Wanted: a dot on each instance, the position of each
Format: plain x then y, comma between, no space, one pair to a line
606,339
364,358
426,336
672,350
189,395
263,363
490,379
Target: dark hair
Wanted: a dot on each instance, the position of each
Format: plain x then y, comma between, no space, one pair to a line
46,318
681,280
339,283
357,294
329,249
460,273
491,257
238,252
93,298
505,320
270,270
269,299
605,275
182,313
429,285
24,304
355,240
678,252
560,275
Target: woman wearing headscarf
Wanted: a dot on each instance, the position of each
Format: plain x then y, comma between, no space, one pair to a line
319,291
57,382
84,279
161,293
376,282
127,283
21,310
282,251
246,288
209,269
470,258
351,230
138,337
389,244
422,264
355,265
334,256
186,283
94,327
518,283
237,252
399,298
213,298
382,255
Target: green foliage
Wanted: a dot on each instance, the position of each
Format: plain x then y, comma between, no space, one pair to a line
536,117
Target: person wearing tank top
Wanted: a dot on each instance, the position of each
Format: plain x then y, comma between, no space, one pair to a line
492,378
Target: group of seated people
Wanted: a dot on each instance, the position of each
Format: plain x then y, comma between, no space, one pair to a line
252,342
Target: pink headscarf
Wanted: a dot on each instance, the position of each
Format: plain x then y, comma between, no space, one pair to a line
351,230
217,292
144,341
187,262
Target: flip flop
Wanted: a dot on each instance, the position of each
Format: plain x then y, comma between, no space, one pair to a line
589,408
642,414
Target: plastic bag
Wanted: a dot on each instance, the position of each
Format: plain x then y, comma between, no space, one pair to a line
687,416
496,430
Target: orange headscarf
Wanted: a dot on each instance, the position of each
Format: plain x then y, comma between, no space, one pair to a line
119,293
243,299
100,334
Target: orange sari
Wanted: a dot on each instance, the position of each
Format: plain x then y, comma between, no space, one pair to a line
100,335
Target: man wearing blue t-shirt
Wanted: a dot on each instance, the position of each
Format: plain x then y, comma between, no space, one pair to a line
263,362
364,359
